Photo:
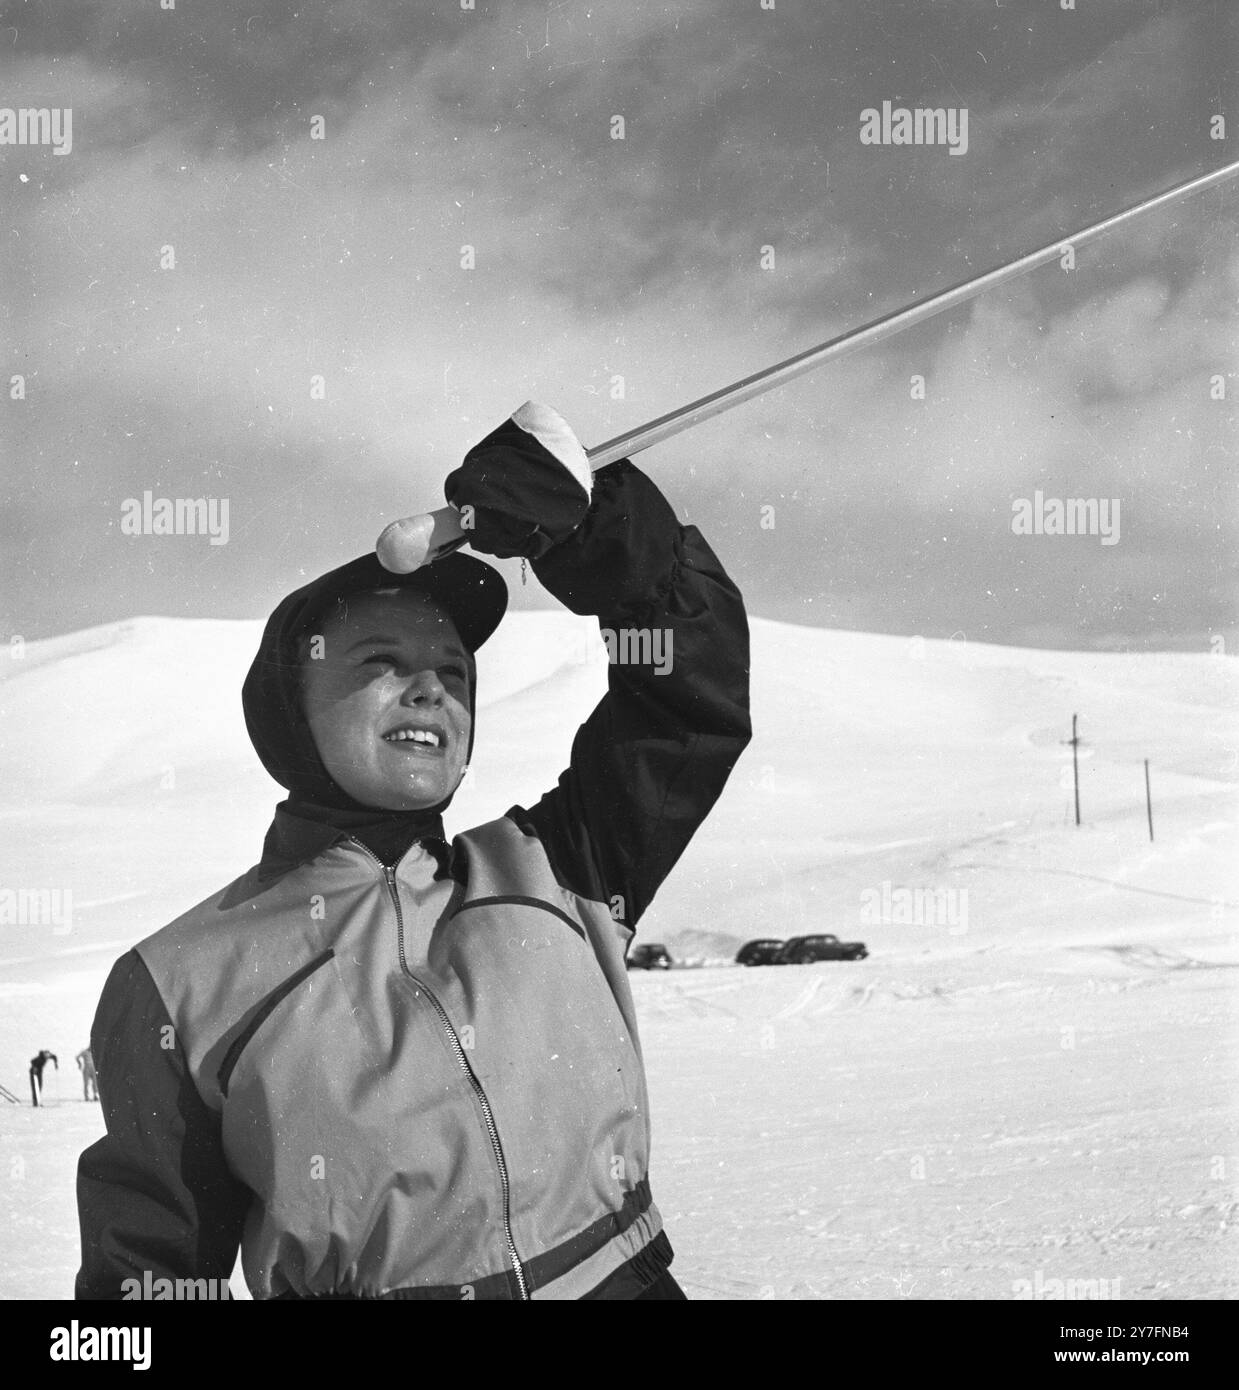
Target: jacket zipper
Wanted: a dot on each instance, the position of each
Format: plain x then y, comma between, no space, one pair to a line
491,1128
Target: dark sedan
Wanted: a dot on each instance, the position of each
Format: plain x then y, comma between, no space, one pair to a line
802,950
763,951
650,955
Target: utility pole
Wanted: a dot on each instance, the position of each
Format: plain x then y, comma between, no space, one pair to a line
1074,740
1148,797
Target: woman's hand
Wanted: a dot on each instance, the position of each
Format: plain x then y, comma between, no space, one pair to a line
525,487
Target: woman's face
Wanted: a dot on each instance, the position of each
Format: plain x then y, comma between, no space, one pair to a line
386,694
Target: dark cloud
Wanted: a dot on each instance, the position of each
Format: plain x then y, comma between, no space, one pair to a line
599,258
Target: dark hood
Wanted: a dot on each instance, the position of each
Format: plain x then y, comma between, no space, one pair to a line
471,592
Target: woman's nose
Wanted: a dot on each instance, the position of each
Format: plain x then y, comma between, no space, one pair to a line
423,688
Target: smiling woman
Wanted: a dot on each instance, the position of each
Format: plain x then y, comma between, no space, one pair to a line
388,696
349,657
394,1066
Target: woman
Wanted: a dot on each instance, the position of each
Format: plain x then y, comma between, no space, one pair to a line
384,1065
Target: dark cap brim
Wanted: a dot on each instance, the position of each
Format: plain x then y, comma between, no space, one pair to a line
472,593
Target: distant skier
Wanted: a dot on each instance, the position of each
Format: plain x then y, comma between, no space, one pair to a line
90,1082
397,1066
36,1074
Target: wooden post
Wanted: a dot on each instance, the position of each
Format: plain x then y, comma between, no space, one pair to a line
1148,797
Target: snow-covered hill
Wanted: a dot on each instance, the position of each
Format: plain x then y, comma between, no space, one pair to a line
913,794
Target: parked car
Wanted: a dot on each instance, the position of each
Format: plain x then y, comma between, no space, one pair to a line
649,955
760,952
801,950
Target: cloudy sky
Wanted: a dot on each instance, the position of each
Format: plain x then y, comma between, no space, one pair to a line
641,259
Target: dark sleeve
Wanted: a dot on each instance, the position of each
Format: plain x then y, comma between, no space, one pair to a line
155,1193
651,760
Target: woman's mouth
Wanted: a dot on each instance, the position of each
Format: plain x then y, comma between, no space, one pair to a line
417,738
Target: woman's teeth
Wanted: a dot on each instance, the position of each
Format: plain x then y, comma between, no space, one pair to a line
413,736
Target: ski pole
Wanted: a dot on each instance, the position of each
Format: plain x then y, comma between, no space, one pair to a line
407,544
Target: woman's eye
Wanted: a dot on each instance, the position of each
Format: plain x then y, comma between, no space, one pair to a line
379,658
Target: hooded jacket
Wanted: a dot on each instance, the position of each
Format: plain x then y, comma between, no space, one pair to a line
423,1079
